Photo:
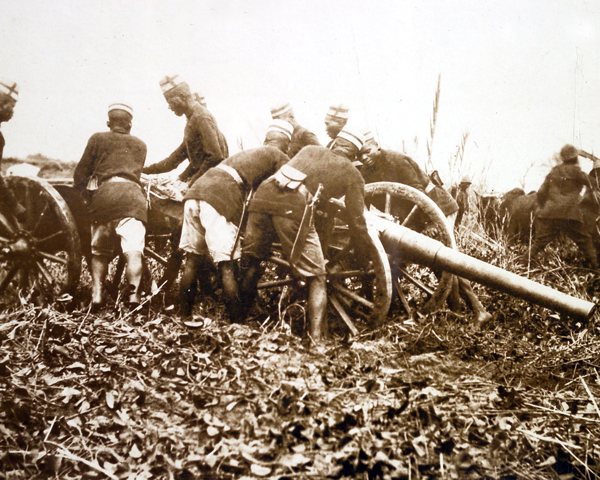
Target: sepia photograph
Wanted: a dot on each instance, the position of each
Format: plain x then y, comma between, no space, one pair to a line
299,240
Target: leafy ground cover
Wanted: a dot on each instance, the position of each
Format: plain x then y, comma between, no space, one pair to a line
139,396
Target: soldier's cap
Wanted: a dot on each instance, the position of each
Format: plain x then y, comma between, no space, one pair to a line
173,84
279,109
281,126
289,176
9,88
120,106
465,179
353,135
369,137
569,152
339,111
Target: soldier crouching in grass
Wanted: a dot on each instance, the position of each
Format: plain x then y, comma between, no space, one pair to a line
213,211
279,210
108,175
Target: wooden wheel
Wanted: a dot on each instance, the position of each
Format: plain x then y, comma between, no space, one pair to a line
40,257
358,282
418,287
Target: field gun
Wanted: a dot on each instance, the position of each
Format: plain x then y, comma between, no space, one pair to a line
407,246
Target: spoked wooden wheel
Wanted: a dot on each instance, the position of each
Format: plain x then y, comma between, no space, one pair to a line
40,254
419,288
358,282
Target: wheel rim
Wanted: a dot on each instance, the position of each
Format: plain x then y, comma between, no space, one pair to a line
418,287
41,254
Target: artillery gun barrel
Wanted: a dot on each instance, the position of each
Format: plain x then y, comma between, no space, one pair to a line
415,247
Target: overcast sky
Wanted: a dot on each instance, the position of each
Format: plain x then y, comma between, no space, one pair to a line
522,78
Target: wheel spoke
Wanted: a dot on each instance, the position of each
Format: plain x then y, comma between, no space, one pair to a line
352,295
410,216
39,218
402,297
53,258
45,273
414,281
275,283
51,236
5,224
9,276
152,254
333,298
388,203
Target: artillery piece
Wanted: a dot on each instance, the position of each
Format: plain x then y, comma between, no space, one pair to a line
412,251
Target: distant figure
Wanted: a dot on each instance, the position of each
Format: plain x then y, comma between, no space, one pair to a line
277,210
301,137
335,119
559,198
203,143
9,94
198,97
212,214
108,175
461,195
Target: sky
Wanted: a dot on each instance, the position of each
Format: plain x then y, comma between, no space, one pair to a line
517,79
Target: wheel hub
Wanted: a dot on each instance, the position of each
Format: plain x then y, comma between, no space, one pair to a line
21,246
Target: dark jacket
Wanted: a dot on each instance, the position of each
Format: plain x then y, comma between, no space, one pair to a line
560,195
203,145
219,189
321,166
301,137
113,154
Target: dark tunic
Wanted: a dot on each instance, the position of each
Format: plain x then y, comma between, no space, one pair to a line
203,145
560,194
301,137
220,190
2,143
321,166
113,154
393,166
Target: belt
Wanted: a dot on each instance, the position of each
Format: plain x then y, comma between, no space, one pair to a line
233,172
117,179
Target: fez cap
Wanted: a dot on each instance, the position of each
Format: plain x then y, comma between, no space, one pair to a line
353,135
465,179
120,106
279,109
173,84
9,88
569,152
281,126
339,111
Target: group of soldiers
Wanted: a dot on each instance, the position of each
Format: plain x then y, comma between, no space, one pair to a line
274,184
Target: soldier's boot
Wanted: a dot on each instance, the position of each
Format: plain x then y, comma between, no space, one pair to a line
194,273
99,270
250,273
133,274
230,289
482,316
317,307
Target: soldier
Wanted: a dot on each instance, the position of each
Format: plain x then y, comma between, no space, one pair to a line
559,198
108,175
203,143
335,119
279,210
213,213
9,94
389,166
461,195
301,137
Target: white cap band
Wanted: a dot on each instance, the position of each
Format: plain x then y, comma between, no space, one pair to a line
357,139
121,106
280,109
338,111
281,126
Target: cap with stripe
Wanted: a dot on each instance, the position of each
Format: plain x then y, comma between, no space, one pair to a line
338,110
120,106
280,109
9,88
172,84
281,126
353,135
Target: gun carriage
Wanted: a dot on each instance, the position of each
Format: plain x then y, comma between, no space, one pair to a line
412,252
